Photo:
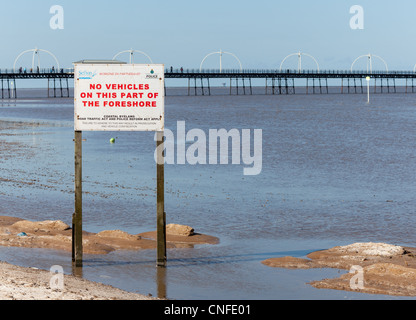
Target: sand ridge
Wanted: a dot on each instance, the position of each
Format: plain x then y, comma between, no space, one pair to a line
385,268
55,234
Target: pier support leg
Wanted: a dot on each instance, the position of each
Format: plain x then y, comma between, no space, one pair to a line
266,87
273,86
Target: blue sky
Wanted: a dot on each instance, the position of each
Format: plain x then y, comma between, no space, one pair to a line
181,33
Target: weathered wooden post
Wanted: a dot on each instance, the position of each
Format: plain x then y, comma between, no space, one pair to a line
77,217
161,217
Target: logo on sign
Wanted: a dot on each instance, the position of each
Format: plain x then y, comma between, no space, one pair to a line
151,75
86,74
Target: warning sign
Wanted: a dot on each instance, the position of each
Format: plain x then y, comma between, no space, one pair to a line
119,97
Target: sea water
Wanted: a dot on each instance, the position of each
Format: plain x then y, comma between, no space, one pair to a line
335,170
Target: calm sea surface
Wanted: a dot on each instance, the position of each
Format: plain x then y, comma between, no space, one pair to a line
335,170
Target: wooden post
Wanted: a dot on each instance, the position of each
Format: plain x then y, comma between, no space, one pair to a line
77,217
160,209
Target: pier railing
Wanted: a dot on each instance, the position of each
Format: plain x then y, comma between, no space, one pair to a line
35,70
284,71
224,71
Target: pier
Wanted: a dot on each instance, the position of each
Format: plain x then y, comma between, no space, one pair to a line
57,81
239,81
279,81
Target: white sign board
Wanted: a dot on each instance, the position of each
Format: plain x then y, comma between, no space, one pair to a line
119,97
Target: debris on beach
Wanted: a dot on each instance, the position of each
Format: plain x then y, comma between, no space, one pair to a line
385,268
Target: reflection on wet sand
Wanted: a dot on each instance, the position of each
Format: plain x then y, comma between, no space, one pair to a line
161,282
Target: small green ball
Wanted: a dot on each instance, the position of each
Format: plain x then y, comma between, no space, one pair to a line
112,140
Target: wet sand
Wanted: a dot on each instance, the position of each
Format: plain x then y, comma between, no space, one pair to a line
55,234
19,283
375,268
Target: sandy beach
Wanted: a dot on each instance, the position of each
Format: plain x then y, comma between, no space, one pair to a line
19,283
